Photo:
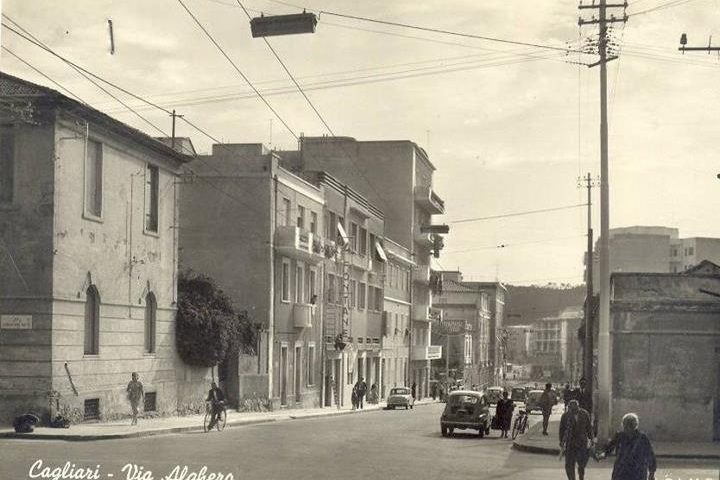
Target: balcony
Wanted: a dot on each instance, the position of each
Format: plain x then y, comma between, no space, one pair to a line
303,315
427,352
298,244
421,274
429,200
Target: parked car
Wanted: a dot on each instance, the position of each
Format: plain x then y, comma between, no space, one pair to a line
532,402
494,394
518,394
400,397
466,409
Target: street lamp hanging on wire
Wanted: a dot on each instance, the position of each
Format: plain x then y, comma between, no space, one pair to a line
274,25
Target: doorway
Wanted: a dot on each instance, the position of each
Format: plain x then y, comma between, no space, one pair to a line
298,375
283,374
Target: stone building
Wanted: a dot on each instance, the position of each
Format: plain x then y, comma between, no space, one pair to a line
666,353
88,259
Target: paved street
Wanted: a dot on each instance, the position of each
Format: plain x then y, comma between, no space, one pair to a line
382,444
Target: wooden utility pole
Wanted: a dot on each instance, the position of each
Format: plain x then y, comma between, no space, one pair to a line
174,116
602,410
589,295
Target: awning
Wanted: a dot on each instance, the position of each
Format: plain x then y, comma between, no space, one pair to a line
343,234
380,251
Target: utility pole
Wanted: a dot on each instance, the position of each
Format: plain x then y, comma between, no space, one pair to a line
708,49
174,116
589,295
602,409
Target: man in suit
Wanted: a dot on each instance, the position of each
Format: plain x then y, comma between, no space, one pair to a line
575,434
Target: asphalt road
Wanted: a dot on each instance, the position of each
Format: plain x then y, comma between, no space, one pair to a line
380,445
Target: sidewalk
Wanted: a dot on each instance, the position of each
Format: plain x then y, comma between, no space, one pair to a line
534,441
191,423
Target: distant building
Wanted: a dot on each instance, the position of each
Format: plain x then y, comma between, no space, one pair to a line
88,257
650,249
518,343
555,348
666,352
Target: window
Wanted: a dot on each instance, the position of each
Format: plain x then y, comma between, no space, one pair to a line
674,252
150,402
353,293
152,191
94,178
371,297
150,322
285,281
311,365
7,165
92,321
361,296
331,227
331,288
362,244
286,211
691,250
299,287
301,217
378,300
91,409
313,222
354,237
311,292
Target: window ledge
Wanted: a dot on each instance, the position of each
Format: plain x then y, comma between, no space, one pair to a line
91,356
150,233
149,354
92,218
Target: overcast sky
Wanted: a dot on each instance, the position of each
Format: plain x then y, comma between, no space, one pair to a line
508,127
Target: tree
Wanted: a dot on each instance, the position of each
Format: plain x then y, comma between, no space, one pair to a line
208,328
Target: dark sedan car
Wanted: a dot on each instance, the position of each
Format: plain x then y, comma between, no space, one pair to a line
466,409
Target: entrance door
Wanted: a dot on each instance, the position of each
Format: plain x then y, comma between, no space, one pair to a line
298,374
339,382
283,374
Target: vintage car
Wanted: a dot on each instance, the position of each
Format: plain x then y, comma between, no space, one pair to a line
466,409
494,394
400,397
518,394
532,402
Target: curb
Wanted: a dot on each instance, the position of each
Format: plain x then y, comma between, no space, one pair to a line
188,429
556,451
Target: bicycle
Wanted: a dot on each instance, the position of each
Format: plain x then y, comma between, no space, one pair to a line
520,424
221,419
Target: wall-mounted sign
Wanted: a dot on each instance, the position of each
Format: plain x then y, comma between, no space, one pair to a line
16,322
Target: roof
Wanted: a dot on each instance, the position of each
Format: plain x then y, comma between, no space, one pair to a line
17,88
706,267
453,286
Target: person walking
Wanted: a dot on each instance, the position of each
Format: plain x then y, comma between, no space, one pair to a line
567,395
547,402
583,396
413,390
575,434
359,391
504,413
635,458
135,395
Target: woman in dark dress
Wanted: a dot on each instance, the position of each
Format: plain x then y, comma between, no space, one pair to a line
504,412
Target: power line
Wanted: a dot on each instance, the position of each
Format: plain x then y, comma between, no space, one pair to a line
671,4
517,214
506,245
237,69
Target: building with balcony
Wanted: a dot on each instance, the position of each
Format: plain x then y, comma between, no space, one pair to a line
397,177
259,231
353,274
88,258
465,330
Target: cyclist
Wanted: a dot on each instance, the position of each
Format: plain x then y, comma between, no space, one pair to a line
216,399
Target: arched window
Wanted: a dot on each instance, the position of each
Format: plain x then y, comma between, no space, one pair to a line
92,321
150,320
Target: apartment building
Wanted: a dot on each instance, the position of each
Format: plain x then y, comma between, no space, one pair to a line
88,257
556,351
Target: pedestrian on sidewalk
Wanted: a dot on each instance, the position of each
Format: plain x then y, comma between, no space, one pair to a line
635,458
576,435
547,402
373,396
359,390
216,399
135,395
413,390
583,396
504,412
567,395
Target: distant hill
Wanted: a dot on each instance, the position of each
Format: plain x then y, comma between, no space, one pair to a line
530,303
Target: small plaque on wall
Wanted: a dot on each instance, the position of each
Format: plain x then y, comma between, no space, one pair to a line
16,322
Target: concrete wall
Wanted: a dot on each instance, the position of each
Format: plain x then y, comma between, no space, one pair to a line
25,274
124,262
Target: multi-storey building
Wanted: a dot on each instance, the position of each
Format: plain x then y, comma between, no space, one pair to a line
88,257
555,348
258,231
397,177
354,271
465,329
396,315
518,343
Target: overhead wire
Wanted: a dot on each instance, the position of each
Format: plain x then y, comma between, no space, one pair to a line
517,214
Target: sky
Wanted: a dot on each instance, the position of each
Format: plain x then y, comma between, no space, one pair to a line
509,127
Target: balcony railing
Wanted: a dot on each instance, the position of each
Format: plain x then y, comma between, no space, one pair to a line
296,243
429,200
303,315
427,352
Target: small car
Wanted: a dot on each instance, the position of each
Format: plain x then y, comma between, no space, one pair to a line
400,397
494,394
466,409
532,402
518,394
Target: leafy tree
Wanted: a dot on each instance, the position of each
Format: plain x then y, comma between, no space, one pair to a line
208,328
